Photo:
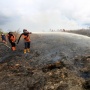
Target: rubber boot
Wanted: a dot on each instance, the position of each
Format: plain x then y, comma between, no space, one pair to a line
24,51
28,50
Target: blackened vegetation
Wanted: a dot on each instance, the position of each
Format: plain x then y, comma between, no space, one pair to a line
86,85
83,66
22,72
56,65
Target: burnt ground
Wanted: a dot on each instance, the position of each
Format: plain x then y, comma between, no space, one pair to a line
46,68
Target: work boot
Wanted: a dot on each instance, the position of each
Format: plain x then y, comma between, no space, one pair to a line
28,50
24,51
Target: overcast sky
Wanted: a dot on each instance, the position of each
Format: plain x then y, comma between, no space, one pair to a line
43,15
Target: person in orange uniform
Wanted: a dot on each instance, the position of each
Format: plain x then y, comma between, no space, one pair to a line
12,40
26,36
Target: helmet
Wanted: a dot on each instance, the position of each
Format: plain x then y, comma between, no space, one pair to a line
10,33
24,30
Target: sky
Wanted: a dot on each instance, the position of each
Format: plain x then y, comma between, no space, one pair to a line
43,15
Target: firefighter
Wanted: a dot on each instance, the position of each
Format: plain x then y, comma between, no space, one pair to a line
26,36
12,40
3,36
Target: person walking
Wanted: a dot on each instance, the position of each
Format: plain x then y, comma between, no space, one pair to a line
3,36
26,36
12,40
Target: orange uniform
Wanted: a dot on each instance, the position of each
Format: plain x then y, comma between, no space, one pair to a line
26,36
12,40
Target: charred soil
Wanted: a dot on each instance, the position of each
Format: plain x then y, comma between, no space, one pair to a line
31,71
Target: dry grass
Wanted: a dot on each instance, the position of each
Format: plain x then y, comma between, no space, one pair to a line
82,32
